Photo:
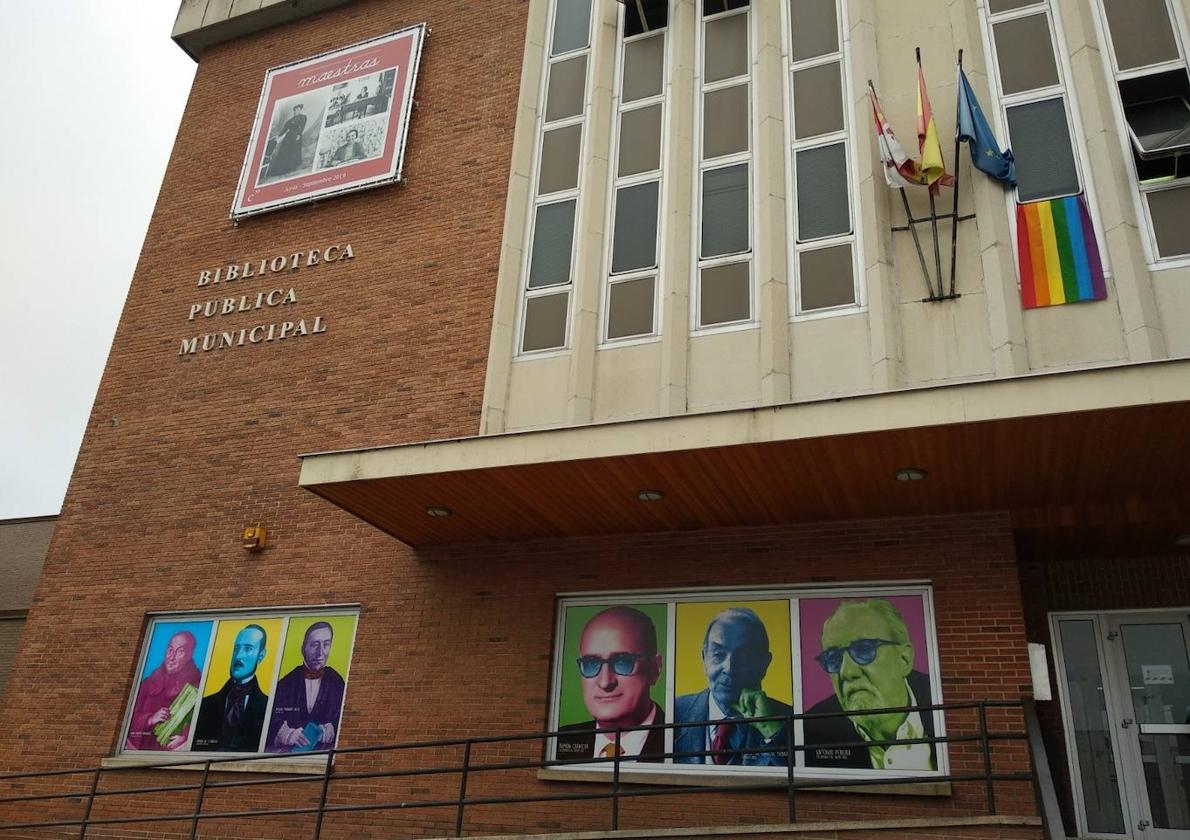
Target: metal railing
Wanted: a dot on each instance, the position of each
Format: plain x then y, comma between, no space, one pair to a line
612,790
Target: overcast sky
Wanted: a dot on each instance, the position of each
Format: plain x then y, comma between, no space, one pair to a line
92,97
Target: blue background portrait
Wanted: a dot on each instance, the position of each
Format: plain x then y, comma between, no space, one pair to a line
163,631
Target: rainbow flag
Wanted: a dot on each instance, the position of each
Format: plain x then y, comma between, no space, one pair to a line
1058,253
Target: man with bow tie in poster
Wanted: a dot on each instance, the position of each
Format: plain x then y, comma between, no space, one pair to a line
231,719
308,698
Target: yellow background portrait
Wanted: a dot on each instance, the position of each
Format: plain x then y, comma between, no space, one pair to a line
343,627
220,669
690,629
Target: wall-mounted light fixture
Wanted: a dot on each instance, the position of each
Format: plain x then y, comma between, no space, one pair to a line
909,474
253,538
438,511
650,495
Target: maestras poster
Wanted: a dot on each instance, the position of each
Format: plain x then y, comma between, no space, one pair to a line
330,124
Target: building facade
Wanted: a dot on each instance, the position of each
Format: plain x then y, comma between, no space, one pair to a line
23,546
571,366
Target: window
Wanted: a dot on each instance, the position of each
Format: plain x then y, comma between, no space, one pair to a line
724,265
824,240
549,278
630,301
1147,58
1034,102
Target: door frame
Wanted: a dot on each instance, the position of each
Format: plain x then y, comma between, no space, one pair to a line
1134,802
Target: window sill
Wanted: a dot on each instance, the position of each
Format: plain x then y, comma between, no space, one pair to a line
661,777
299,767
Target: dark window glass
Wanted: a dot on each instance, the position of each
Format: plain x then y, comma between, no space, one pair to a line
1025,54
714,7
630,308
822,202
564,96
644,16
825,277
559,159
1045,166
726,53
572,25
815,30
725,210
634,243
1170,210
725,121
1141,32
725,295
817,100
545,322
553,236
640,141
997,6
644,65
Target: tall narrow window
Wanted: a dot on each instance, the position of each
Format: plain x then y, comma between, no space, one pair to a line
634,246
724,287
821,148
1147,52
1033,99
549,275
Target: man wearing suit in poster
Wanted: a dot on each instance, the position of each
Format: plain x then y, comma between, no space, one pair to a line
735,657
867,651
308,699
619,663
231,719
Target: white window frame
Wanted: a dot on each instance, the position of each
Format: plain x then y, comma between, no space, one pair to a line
617,183
843,57
746,157
540,126
1181,34
1064,88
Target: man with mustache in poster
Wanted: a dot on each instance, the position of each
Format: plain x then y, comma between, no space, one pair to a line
231,719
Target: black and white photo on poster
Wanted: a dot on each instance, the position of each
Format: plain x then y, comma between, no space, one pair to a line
293,136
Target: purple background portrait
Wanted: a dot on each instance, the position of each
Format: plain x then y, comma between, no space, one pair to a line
816,684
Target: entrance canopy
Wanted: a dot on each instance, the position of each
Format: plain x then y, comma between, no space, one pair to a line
1107,450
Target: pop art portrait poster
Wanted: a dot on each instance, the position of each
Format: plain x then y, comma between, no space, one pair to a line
333,123
314,663
732,660
239,682
613,674
866,652
166,696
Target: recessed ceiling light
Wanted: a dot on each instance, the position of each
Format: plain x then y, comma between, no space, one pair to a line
1182,540
650,495
909,474
438,511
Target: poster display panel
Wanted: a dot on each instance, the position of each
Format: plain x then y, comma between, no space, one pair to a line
241,683
330,124
723,661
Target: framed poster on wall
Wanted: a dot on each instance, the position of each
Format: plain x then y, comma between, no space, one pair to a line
716,659
330,124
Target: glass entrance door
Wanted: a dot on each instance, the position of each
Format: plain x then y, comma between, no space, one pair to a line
1148,659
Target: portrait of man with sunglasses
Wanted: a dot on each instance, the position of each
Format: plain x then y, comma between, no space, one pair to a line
618,664
735,658
869,656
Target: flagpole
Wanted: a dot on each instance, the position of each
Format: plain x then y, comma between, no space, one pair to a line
909,222
933,215
958,169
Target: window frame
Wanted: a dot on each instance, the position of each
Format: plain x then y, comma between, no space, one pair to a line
846,136
616,182
1181,33
999,118
540,127
747,157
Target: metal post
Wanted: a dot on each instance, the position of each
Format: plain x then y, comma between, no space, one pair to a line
326,783
937,251
790,761
921,257
616,784
987,757
463,788
202,789
90,802
954,220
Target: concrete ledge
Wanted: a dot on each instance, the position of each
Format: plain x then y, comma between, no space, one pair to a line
647,777
306,767
896,828
202,24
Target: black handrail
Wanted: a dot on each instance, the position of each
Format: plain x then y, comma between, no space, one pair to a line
1038,773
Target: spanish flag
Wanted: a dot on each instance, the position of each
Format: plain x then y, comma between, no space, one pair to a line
933,168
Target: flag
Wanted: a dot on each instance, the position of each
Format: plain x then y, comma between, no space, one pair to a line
973,129
1057,252
933,168
900,170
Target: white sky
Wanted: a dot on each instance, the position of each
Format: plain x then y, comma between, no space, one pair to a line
91,100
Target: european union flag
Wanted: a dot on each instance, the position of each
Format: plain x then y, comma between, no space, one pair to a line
973,128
